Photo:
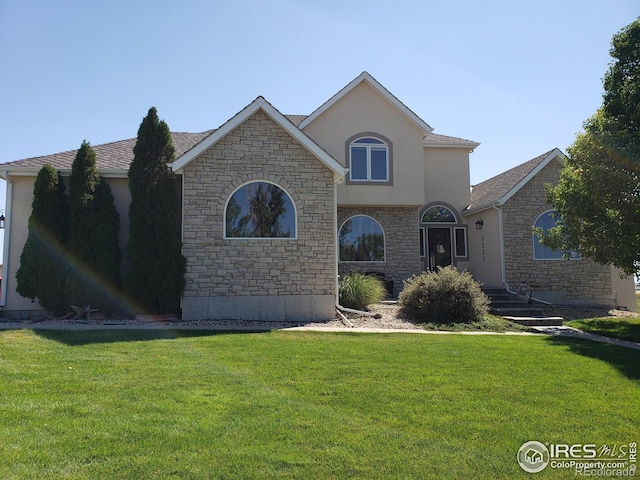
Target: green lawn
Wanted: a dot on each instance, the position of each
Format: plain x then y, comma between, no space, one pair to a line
625,328
134,404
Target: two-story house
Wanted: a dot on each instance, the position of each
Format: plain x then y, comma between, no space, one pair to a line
275,207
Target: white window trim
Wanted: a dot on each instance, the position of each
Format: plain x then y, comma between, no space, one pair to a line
295,213
368,147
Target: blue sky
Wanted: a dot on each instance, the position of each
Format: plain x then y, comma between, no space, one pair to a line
519,77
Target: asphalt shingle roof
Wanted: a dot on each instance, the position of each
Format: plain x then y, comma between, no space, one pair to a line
492,190
109,156
436,139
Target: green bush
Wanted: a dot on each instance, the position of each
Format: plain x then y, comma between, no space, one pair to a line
358,290
444,296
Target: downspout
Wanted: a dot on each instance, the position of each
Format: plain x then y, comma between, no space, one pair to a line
7,238
502,267
339,307
501,242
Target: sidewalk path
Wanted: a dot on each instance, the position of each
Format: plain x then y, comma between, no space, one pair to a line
574,332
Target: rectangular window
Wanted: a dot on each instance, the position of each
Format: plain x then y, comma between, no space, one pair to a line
379,163
358,163
461,242
422,254
369,161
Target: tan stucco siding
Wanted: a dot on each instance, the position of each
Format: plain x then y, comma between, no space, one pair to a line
558,281
624,291
263,271
363,110
447,176
21,192
21,200
485,263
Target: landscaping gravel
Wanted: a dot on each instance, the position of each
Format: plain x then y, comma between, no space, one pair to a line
389,316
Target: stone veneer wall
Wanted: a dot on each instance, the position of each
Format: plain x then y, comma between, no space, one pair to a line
560,281
402,243
259,279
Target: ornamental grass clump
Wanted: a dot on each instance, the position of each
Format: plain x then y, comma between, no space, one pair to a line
358,290
444,296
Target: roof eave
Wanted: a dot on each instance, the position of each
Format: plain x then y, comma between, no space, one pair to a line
260,104
471,146
555,153
33,172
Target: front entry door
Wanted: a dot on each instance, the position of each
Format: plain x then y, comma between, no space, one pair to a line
439,241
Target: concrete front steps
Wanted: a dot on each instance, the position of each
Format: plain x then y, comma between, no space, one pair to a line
508,306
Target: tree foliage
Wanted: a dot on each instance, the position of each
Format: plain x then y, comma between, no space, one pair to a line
155,279
42,270
598,196
94,223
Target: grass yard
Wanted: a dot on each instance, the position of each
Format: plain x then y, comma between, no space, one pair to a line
625,328
137,404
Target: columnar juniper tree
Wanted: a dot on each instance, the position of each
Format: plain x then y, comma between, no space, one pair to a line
94,224
42,269
155,279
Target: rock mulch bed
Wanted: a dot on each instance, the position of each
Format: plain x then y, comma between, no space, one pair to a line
389,316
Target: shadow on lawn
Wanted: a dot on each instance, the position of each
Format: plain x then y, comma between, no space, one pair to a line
87,337
626,360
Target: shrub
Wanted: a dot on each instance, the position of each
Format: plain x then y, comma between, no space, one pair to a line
358,290
444,296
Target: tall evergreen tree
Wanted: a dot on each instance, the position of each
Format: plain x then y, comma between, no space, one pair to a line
42,270
93,246
155,279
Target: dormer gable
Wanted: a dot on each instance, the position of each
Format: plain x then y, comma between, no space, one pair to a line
366,78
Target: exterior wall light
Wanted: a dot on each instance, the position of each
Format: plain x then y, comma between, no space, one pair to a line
479,224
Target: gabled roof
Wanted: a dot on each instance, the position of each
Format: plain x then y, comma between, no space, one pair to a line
443,141
365,77
112,159
497,190
261,104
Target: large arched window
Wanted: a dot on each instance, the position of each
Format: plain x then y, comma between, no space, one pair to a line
260,210
546,221
361,239
369,160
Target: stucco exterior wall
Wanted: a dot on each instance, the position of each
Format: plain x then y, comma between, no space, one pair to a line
447,176
258,279
402,243
624,290
485,263
16,234
363,110
19,198
558,281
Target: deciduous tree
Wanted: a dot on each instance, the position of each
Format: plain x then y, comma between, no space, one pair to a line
598,196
